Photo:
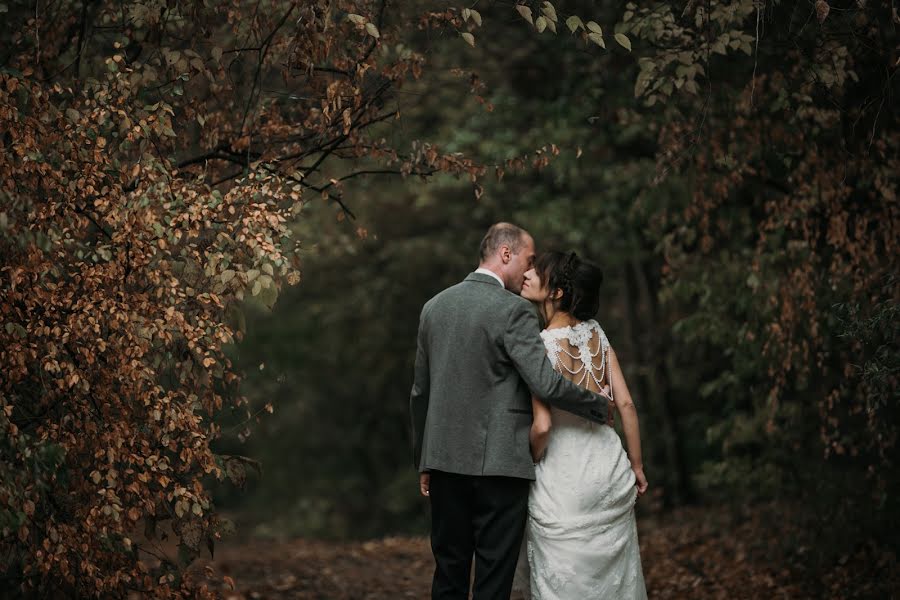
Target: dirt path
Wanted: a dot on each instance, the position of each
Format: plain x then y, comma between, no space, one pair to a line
686,554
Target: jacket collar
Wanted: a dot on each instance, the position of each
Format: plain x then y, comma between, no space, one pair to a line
482,278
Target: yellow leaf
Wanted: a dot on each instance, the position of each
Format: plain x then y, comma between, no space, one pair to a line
372,30
623,41
548,10
540,24
470,39
525,12
592,26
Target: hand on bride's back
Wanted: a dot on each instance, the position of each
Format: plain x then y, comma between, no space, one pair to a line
611,406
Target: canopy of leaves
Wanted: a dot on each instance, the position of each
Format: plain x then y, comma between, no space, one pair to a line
732,165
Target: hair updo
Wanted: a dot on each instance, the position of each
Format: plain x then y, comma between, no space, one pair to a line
578,279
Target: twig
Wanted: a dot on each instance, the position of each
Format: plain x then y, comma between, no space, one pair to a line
755,54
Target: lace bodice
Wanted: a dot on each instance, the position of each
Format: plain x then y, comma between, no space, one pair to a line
570,351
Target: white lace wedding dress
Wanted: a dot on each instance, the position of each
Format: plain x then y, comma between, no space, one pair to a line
581,540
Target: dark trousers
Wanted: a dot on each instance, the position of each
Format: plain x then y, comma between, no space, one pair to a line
479,515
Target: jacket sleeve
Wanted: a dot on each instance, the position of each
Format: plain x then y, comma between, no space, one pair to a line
524,346
418,397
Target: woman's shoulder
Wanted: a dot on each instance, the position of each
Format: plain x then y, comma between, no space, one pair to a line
581,332
584,332
595,327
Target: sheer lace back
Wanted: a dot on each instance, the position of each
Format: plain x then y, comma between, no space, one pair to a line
580,353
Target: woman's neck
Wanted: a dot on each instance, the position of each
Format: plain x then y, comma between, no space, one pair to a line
558,318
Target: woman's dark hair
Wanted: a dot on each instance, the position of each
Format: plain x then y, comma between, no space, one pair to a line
578,279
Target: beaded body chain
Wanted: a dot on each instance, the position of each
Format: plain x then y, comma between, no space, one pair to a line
579,337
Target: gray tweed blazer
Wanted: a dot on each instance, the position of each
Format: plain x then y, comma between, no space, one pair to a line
479,356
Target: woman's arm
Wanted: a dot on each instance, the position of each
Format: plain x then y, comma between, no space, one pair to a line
540,428
630,424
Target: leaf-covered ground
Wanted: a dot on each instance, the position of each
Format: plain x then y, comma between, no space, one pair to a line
689,553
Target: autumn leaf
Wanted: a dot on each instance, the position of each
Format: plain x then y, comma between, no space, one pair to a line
822,10
468,37
549,11
574,23
623,41
525,12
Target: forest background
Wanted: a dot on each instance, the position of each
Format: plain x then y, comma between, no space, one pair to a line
219,221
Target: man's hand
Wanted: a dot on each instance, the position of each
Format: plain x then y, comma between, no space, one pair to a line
610,406
424,483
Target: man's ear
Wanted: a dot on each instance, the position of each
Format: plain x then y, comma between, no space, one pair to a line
505,254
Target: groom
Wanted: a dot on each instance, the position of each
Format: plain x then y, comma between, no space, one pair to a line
479,358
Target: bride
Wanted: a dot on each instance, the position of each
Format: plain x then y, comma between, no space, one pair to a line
581,539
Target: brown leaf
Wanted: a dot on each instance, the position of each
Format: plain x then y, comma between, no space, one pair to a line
822,10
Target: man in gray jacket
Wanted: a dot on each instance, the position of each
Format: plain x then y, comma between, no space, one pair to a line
479,358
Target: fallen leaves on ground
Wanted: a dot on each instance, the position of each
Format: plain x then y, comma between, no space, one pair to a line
687,553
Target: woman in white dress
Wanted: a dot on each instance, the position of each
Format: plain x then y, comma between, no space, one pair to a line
581,540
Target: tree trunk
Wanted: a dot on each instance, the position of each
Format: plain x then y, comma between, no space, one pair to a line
651,343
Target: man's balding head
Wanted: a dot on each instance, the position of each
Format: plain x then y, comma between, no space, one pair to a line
500,234
508,251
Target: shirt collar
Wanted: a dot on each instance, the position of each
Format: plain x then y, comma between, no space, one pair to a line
492,274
